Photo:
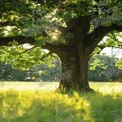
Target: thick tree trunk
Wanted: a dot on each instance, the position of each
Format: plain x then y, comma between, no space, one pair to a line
74,73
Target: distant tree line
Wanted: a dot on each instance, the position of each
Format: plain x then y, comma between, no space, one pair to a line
105,68
101,68
42,72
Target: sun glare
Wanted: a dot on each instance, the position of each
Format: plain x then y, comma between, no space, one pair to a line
54,37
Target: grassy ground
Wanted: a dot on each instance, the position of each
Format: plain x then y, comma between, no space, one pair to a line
38,102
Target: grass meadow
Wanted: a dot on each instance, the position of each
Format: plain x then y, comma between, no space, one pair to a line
39,102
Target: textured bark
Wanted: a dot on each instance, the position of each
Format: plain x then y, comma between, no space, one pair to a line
74,73
75,63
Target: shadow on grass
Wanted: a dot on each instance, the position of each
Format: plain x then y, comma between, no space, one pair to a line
104,107
56,107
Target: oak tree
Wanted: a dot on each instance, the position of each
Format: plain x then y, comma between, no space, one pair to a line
72,29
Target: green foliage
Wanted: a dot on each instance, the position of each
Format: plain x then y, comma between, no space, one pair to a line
97,63
51,71
114,40
104,68
7,73
23,56
73,9
119,64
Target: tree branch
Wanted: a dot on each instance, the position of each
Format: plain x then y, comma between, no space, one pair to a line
59,49
25,51
61,29
113,36
7,23
4,41
97,35
101,46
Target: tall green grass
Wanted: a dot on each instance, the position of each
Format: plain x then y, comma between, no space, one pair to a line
44,105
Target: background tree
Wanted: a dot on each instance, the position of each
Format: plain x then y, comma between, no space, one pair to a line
46,72
69,28
119,64
103,68
7,73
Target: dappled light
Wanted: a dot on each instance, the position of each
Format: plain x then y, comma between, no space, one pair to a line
36,106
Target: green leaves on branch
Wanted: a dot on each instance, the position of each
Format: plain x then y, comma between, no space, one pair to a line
114,40
97,63
42,40
23,56
107,13
119,64
74,8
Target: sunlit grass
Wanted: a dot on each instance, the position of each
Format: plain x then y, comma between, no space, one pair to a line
34,102
36,106
29,85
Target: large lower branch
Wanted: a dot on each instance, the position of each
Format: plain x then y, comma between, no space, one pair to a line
59,49
97,35
7,23
4,41
100,32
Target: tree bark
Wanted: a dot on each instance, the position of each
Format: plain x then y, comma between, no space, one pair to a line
75,63
74,73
